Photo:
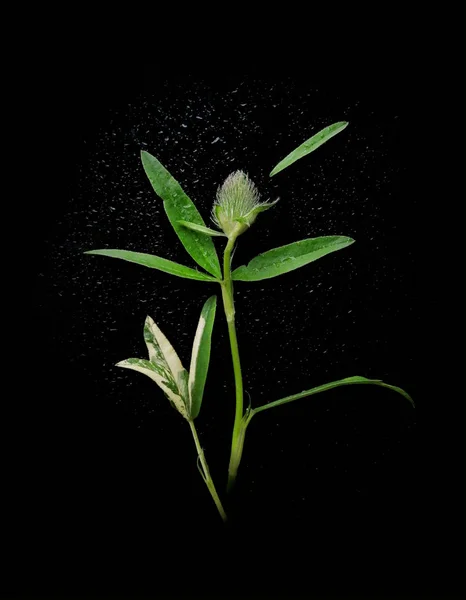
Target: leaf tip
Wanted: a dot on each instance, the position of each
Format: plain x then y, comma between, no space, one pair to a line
149,321
145,158
212,299
407,396
345,240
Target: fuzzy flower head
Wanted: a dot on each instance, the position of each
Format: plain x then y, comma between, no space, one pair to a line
237,204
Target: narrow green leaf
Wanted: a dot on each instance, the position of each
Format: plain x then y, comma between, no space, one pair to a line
290,257
202,229
155,262
200,356
252,214
179,207
309,146
328,386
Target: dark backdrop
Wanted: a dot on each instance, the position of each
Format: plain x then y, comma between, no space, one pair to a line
350,491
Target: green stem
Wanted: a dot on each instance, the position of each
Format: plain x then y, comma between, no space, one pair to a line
207,478
228,304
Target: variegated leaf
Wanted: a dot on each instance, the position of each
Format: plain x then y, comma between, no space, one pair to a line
158,374
164,357
164,367
160,349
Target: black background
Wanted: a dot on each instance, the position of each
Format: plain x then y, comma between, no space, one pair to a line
348,492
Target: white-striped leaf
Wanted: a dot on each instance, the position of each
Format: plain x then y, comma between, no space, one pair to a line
160,350
147,368
164,367
200,356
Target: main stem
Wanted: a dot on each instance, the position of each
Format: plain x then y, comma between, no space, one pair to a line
228,304
207,478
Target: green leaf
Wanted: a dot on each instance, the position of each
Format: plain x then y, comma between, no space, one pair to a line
328,386
309,146
200,356
290,257
179,207
252,214
155,262
202,229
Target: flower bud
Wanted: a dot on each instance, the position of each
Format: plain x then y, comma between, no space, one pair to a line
237,204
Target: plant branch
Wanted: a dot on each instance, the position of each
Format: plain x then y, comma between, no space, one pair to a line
356,380
228,304
207,477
